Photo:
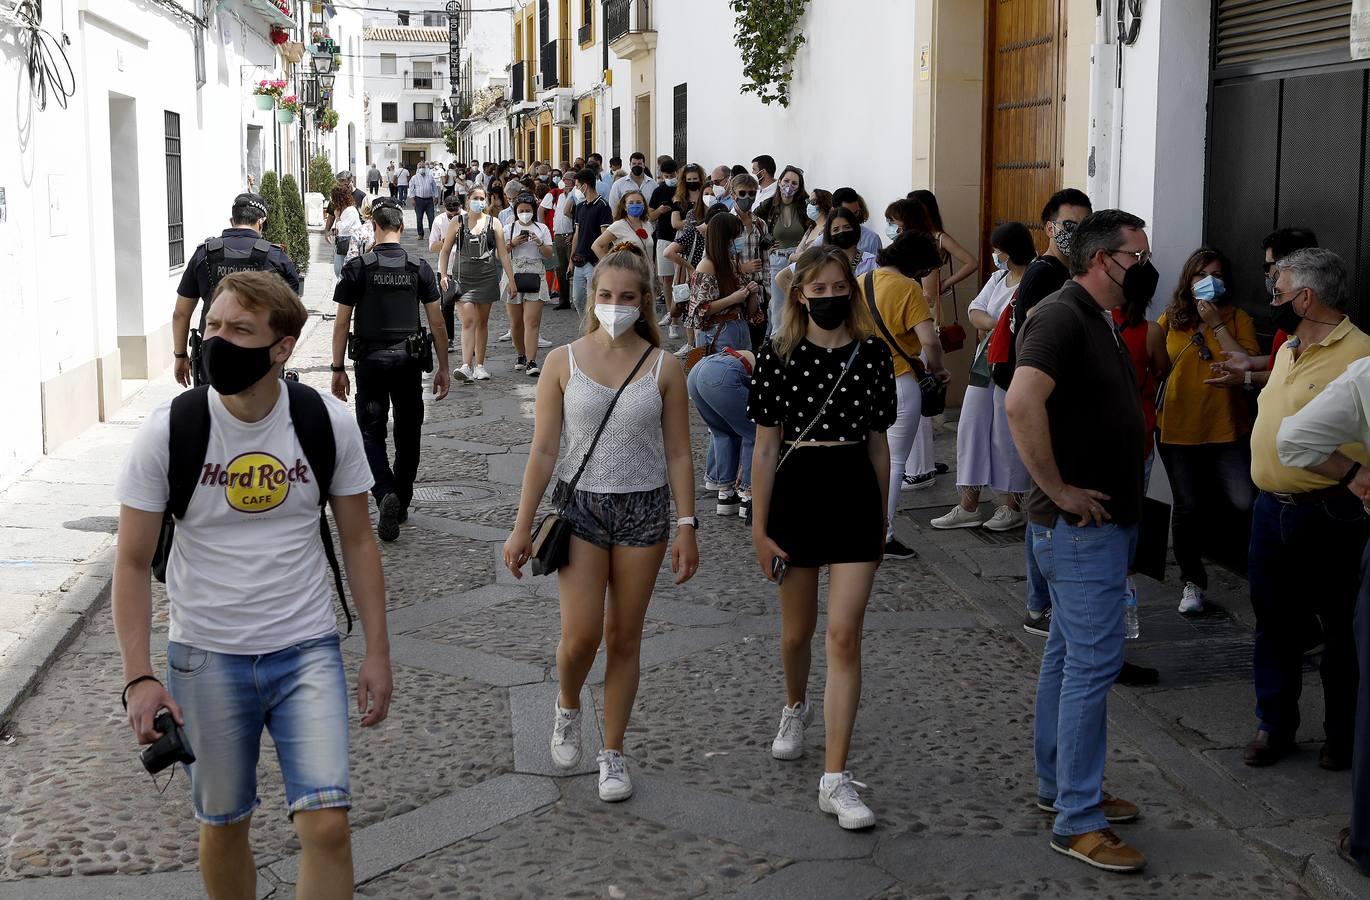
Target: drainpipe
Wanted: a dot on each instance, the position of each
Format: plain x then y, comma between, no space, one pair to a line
1105,112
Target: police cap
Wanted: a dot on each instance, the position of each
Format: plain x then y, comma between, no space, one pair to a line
385,203
250,201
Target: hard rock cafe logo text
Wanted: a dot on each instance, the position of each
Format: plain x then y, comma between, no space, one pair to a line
255,482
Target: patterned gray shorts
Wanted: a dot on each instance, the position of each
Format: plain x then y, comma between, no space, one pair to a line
637,519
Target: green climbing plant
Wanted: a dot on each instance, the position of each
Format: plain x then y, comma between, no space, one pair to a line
296,234
768,37
275,213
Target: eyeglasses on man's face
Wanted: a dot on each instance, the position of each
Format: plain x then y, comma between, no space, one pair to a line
1140,257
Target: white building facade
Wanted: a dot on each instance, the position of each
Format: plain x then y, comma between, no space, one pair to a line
116,190
406,83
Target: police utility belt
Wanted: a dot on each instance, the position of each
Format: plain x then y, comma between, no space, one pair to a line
385,324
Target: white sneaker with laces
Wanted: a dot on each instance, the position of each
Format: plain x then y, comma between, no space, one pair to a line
566,738
837,796
711,485
959,517
789,741
463,373
664,320
1004,519
684,351
543,343
1192,600
614,783
673,332
507,336
480,373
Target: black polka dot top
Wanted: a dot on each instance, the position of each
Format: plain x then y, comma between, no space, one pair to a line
791,394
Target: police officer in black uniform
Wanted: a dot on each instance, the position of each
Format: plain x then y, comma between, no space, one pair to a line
383,297
240,248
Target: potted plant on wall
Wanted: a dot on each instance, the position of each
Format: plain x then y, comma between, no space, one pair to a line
266,93
328,120
289,109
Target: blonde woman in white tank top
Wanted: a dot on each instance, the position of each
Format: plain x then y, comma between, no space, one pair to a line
620,510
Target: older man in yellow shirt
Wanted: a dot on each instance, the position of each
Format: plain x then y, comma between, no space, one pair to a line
1302,515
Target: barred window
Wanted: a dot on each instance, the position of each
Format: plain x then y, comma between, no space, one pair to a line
175,207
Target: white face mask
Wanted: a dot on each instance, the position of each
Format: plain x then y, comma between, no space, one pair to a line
525,217
719,191
709,200
617,319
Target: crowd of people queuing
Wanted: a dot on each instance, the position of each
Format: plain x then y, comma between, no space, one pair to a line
811,345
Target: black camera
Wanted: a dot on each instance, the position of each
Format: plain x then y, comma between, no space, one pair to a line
172,747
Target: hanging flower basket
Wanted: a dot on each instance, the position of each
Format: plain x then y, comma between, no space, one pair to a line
272,90
264,101
290,107
285,116
328,120
279,35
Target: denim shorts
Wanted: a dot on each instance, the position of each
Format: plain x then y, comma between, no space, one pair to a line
635,519
298,694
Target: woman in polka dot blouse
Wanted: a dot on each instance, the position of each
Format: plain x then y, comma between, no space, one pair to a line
822,397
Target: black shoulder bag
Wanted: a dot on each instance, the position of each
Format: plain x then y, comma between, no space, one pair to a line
552,540
933,391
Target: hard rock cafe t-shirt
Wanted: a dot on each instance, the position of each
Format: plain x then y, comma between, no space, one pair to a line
247,573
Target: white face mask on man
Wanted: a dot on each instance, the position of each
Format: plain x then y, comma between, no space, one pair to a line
617,319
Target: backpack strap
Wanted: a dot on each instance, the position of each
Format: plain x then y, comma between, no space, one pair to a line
214,243
314,431
189,442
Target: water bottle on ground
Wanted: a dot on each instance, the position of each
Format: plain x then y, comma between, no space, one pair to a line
1132,626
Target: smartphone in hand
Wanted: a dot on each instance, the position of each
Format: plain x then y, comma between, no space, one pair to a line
778,569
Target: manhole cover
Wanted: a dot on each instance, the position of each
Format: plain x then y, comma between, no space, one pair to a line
451,493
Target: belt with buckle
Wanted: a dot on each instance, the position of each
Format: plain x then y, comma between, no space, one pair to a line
1306,498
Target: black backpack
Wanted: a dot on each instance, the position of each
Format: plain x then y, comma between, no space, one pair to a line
189,440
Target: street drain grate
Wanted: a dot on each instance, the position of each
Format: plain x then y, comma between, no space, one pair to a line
451,493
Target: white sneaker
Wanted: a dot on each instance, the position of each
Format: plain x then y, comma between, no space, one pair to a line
1004,519
684,350
837,796
507,336
463,373
711,485
673,333
664,320
789,741
957,518
480,373
543,343
614,783
566,738
1192,601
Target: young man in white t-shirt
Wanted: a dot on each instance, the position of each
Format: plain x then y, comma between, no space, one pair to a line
253,636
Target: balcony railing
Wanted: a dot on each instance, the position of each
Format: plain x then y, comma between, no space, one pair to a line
583,33
433,81
548,62
623,16
423,129
516,79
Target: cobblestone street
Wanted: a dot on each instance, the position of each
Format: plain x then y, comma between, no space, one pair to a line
455,796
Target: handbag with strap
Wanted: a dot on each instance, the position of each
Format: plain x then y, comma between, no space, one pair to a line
696,354
529,282
846,367
953,336
552,540
934,392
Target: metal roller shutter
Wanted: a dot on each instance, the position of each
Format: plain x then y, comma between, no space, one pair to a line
1253,36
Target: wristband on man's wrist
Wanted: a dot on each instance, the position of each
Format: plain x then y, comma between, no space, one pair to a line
123,698
1247,380
337,368
1350,475
180,355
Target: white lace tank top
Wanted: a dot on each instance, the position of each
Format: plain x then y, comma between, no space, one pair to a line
631,454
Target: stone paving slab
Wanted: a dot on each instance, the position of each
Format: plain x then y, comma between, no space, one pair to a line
819,881
421,615
472,530
1295,787
449,659
767,829
531,708
162,886
390,844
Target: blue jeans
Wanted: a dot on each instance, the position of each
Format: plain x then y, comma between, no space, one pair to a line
1286,541
423,206
404,194
1086,571
580,286
1038,594
298,694
718,386
733,334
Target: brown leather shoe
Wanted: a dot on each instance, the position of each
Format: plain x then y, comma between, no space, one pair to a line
1266,750
1116,810
1344,850
1101,849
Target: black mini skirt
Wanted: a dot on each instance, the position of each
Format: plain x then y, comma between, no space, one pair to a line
826,506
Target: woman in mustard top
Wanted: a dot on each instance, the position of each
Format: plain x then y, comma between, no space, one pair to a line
1203,431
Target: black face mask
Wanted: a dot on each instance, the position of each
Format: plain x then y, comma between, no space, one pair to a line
692,185
1285,317
1138,284
233,369
829,313
845,240
637,171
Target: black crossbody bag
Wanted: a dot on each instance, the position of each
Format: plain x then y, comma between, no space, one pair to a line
552,540
934,392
